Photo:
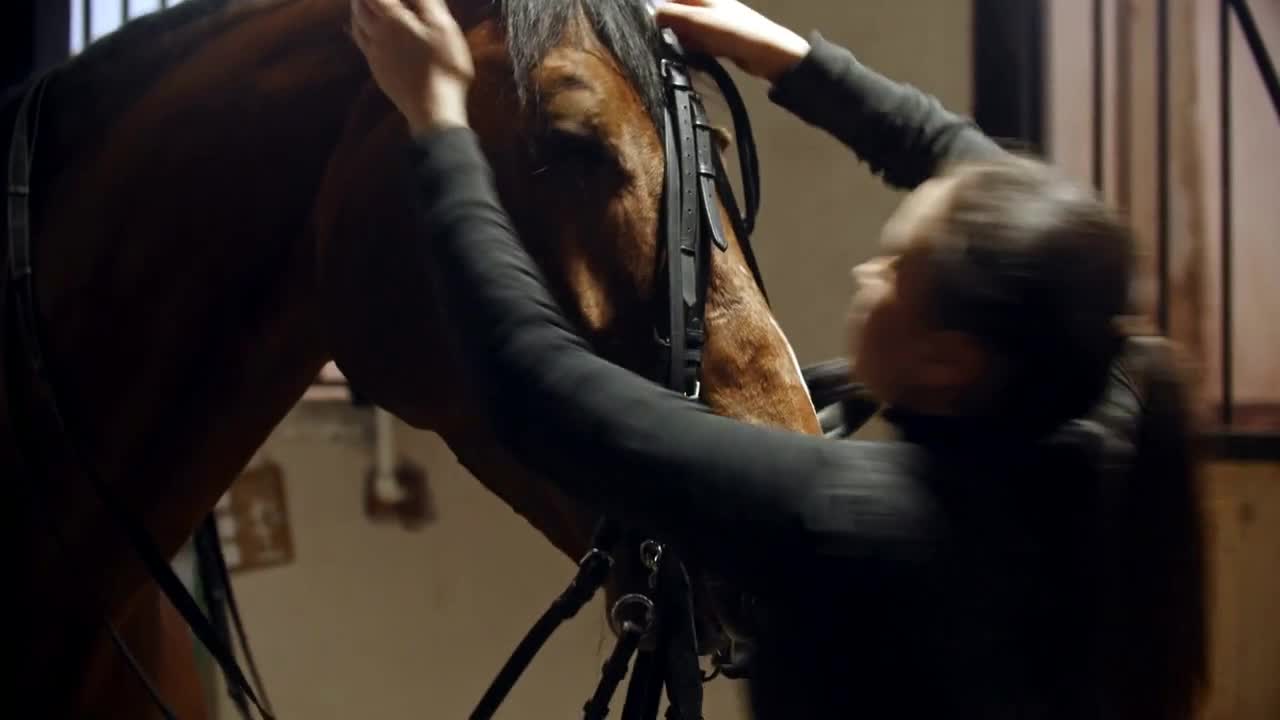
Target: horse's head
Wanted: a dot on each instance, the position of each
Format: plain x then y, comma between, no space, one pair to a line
568,102
564,101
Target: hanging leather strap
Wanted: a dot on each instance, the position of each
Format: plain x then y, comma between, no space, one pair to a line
593,570
21,152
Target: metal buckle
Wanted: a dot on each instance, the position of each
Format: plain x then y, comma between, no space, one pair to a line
594,554
651,553
641,626
650,556
696,394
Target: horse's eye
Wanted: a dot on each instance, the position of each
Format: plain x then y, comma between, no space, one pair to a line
558,147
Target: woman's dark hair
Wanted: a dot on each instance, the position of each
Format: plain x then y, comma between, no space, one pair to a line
1039,269
1155,585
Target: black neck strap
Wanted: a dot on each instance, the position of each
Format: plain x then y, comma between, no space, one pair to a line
21,152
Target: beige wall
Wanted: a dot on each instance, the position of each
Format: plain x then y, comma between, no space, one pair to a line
375,621
822,210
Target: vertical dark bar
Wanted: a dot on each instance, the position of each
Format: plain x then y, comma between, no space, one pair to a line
124,11
1008,70
1124,104
86,32
52,33
1224,98
164,4
1099,95
17,44
1162,165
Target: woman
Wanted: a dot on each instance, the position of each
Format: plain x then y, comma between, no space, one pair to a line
1029,549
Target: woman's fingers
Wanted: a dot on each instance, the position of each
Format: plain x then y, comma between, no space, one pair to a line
433,8
360,23
359,13
372,9
680,12
691,23
661,4
395,10
731,29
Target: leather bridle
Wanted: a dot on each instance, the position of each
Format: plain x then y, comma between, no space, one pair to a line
663,611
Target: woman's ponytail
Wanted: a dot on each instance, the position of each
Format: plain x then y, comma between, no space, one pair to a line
1159,559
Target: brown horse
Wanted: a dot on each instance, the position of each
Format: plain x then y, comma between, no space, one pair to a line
217,212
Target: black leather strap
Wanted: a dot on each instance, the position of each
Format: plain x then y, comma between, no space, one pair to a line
38,499
673,373
615,668
683,675
593,570
690,212
144,547
213,592
18,202
220,601
744,140
843,405
644,692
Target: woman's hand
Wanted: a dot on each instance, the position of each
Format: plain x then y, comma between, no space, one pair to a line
730,29
418,56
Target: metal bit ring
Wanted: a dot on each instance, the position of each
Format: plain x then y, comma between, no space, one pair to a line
643,625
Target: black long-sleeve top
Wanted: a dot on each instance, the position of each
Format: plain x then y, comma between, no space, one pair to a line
909,576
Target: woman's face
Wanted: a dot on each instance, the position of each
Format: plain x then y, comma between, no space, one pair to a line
895,348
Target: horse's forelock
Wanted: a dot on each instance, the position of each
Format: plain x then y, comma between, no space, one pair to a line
624,27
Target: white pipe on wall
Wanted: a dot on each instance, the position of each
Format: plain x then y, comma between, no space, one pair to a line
385,485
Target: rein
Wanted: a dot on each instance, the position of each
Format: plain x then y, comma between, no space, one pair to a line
662,613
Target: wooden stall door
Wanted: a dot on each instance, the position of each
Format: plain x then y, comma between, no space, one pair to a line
1149,132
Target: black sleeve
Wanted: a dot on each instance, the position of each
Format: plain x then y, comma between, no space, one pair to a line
727,491
903,134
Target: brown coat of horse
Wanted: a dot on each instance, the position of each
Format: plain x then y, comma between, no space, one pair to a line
217,212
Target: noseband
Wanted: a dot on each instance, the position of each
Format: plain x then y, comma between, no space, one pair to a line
660,615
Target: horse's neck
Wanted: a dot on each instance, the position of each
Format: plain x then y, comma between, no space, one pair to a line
174,260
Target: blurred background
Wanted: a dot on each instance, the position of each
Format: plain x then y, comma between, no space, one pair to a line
404,604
